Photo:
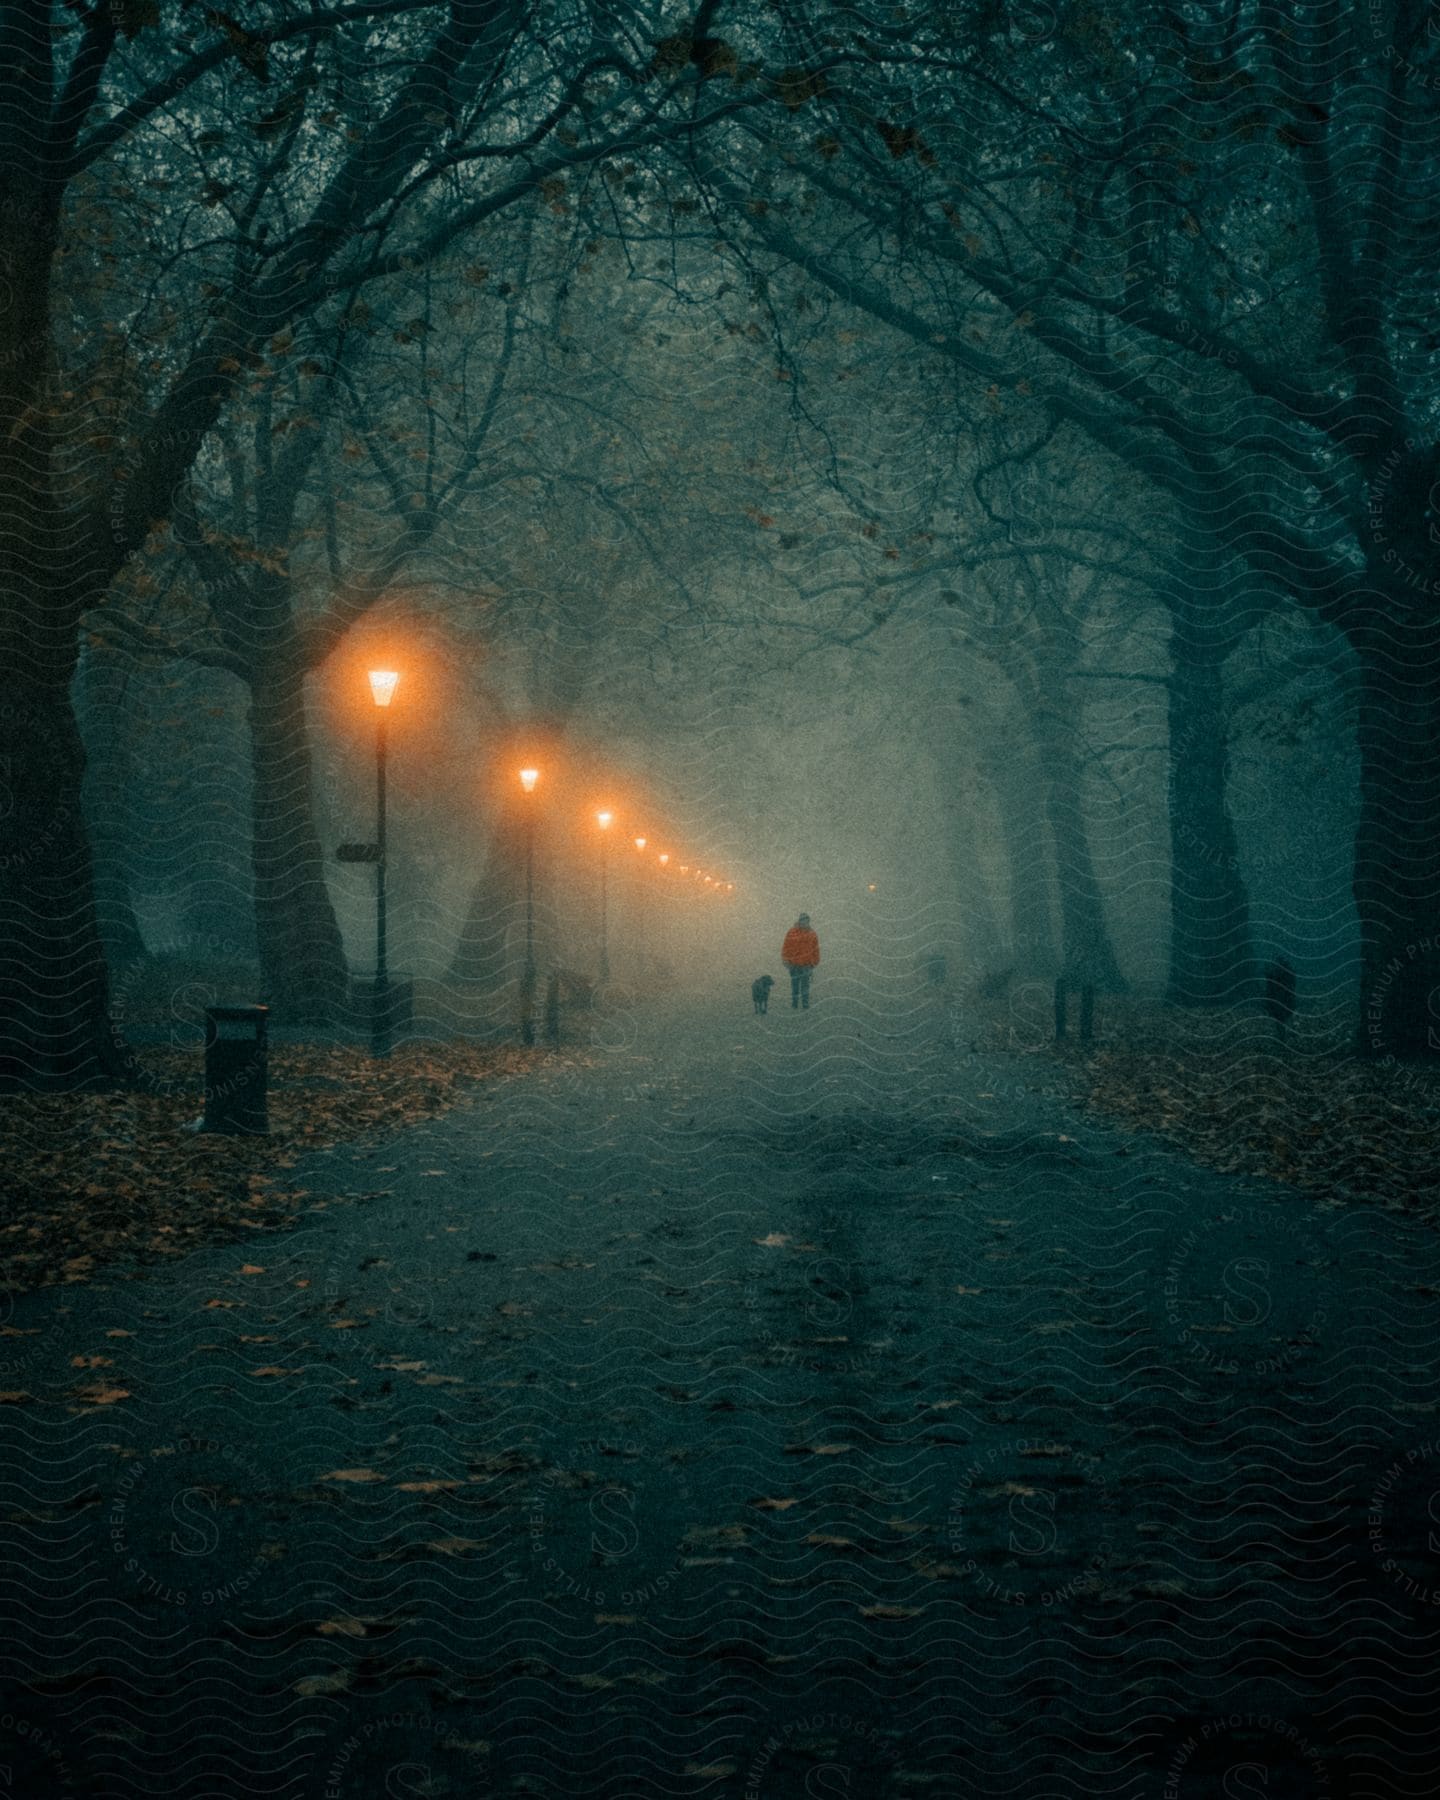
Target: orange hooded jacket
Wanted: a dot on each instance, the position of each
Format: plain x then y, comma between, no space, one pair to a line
801,948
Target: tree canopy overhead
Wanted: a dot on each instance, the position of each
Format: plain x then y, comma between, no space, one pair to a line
1197,235
185,197
1184,246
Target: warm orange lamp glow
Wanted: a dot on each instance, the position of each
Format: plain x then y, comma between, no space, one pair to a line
664,858
382,685
603,819
528,778
640,843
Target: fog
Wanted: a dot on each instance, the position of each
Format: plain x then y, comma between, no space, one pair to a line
703,536
507,508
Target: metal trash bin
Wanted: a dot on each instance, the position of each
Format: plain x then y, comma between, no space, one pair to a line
237,1070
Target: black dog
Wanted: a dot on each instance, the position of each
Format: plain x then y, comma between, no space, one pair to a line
760,992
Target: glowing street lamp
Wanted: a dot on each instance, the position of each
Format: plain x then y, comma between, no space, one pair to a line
664,858
604,819
528,779
382,688
641,932
383,683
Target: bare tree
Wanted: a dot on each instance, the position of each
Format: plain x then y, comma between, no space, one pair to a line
1188,236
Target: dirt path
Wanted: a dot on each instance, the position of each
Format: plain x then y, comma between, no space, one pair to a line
799,1405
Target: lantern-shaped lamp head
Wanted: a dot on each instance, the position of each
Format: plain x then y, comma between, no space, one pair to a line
528,778
382,685
604,819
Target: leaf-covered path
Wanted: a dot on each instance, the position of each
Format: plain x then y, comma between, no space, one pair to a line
789,1406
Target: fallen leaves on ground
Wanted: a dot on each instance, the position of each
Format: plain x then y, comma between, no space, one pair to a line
1306,1113
98,1393
94,1178
311,1687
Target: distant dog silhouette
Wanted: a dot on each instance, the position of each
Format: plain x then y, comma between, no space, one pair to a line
760,992
1279,999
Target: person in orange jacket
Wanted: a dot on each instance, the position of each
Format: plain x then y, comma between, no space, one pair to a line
800,954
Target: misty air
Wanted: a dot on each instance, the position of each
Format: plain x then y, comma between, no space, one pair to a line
719,899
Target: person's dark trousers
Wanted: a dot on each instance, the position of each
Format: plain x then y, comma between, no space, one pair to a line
799,987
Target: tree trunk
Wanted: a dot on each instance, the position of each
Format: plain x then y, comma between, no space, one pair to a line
1032,930
302,957
980,941
1211,957
1397,843
486,956
54,989
218,905
103,694
1087,955
977,906
54,1023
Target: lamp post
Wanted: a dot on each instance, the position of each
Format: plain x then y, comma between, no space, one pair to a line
382,687
604,819
642,947
528,779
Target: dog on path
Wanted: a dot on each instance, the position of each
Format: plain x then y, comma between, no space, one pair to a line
760,992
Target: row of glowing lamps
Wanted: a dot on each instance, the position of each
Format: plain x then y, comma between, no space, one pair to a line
383,683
